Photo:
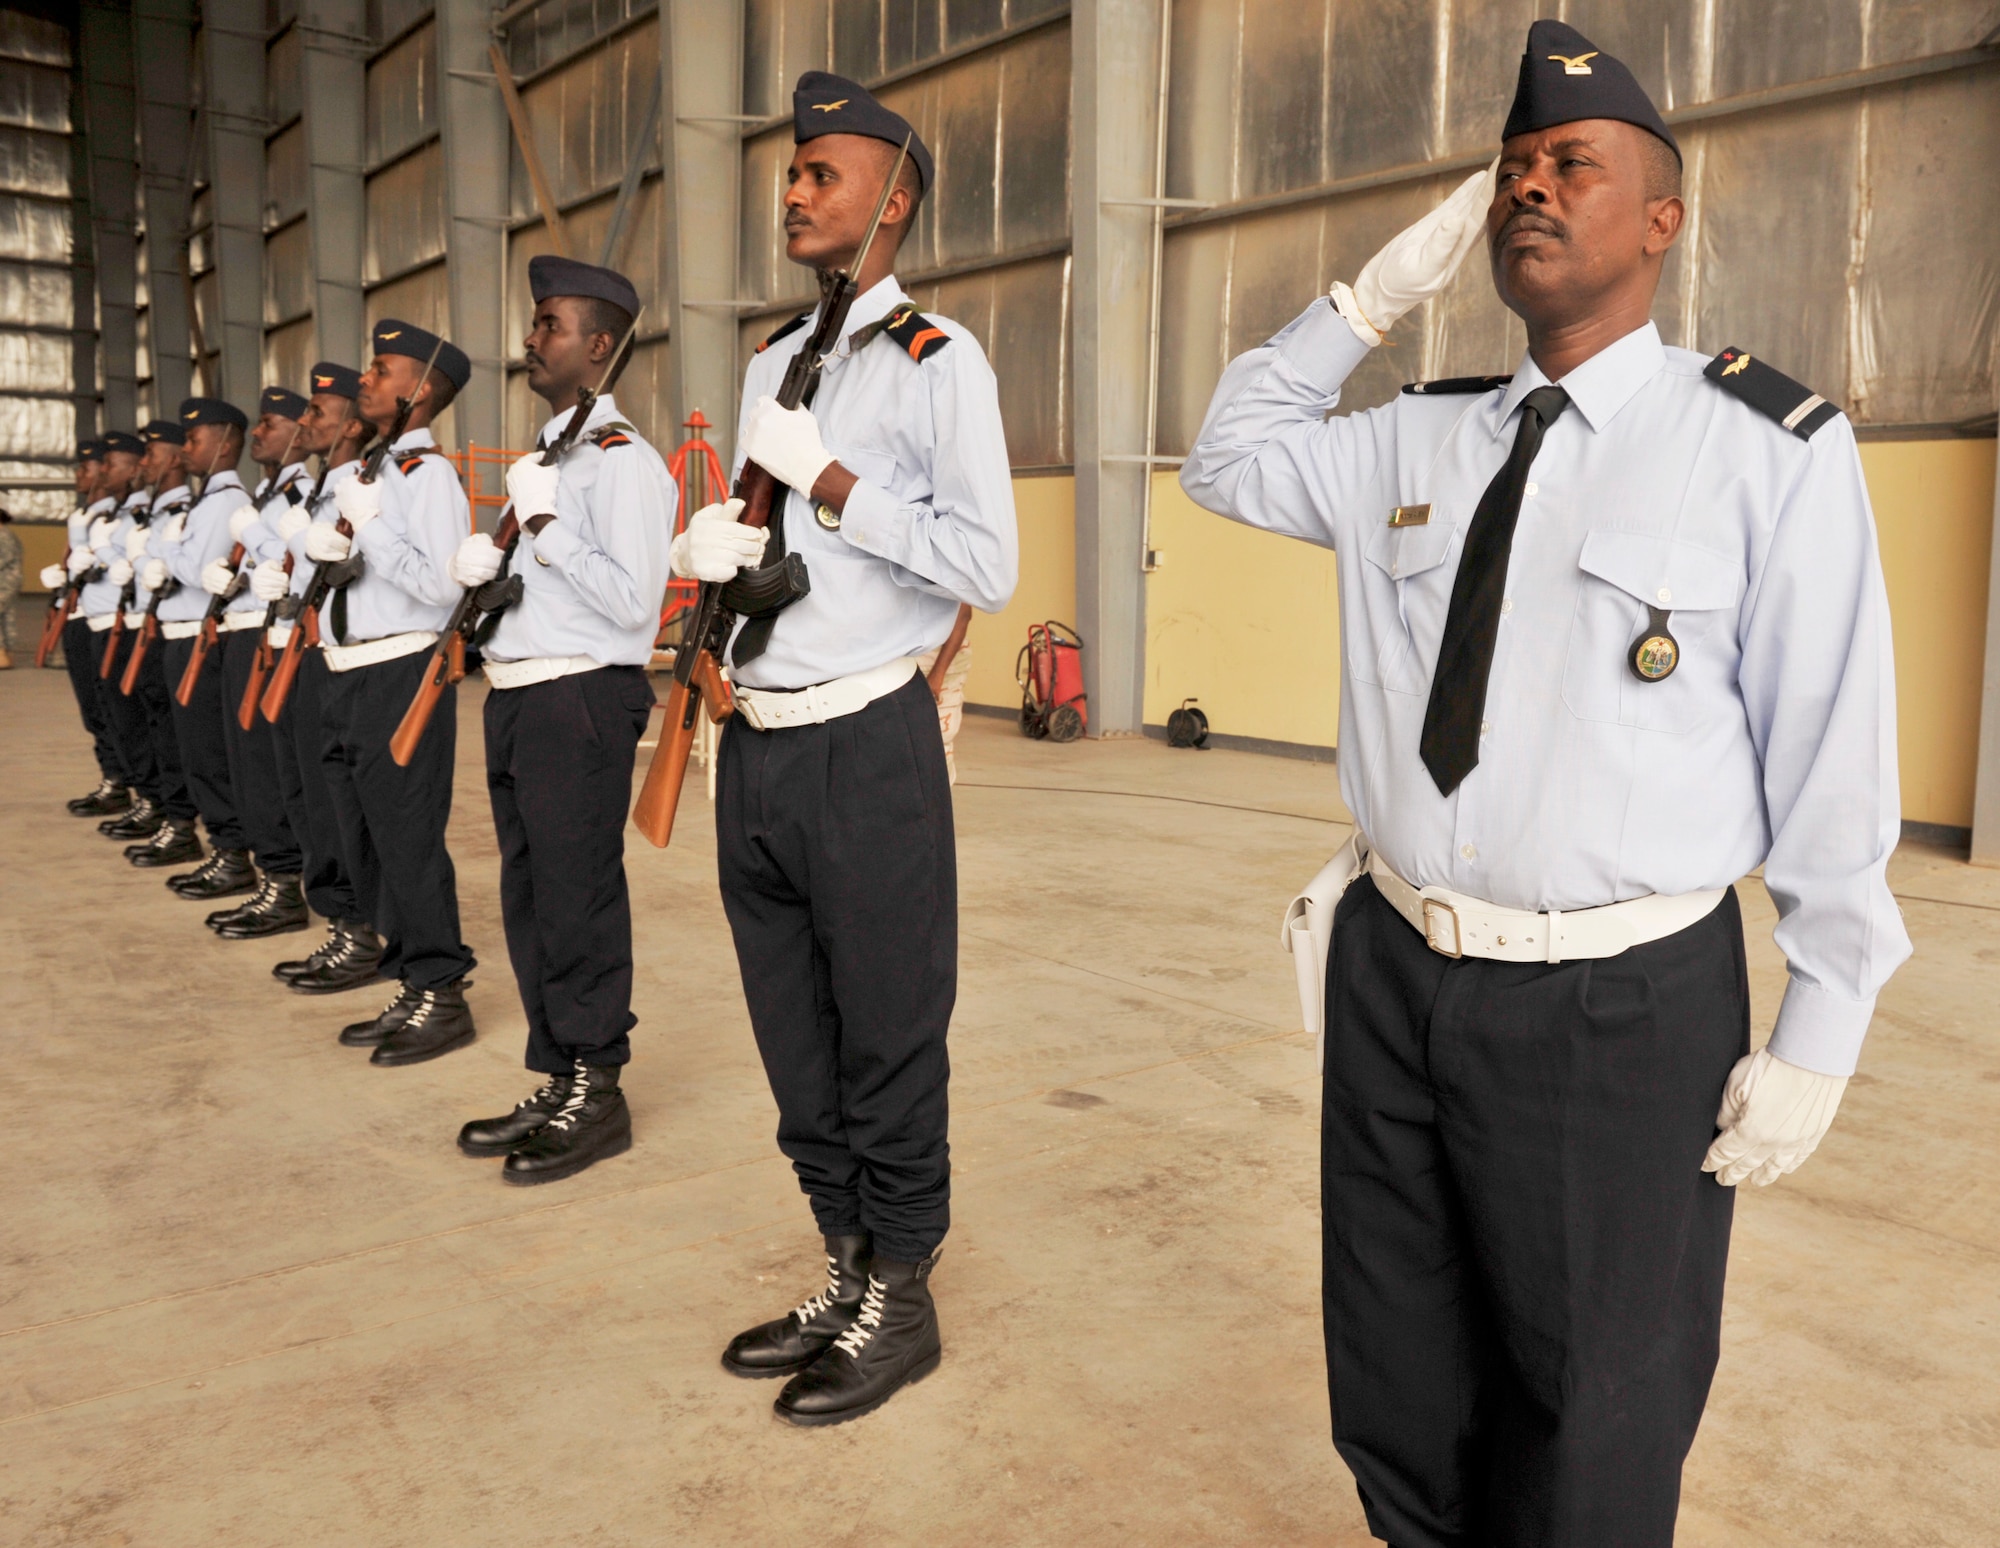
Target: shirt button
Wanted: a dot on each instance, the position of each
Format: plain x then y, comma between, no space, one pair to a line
1468,851
1506,604
1666,596
1485,728
1533,489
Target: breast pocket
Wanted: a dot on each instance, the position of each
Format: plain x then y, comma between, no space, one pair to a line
871,466
1625,574
1406,593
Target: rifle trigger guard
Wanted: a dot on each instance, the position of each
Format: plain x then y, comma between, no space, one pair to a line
769,588
497,595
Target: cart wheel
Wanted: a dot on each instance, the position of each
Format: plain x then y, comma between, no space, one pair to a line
1065,724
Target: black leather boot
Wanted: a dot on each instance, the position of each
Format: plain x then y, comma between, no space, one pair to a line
280,909
592,1125
803,1334
285,972
894,1341
356,961
490,1138
175,844
108,799
439,1020
366,1034
142,821
225,873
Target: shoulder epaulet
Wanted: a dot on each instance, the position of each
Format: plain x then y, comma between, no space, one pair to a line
915,332
408,464
1455,384
790,328
1769,391
616,433
297,490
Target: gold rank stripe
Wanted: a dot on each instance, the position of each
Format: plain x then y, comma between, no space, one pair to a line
1791,420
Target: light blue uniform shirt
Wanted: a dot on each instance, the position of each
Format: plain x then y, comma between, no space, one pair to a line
320,510
204,537
1774,741
593,579
425,516
99,596
929,525
261,543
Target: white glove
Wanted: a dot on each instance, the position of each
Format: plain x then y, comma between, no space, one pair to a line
174,528
477,560
119,572
359,503
81,561
240,520
101,530
216,577
785,443
1773,1116
532,487
716,545
154,576
269,582
326,543
293,522
1419,261
135,542
53,574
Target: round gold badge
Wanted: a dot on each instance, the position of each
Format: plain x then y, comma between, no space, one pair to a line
826,516
1655,653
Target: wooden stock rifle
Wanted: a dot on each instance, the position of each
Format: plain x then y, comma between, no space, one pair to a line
126,596
260,664
150,629
477,603
698,678
62,608
211,623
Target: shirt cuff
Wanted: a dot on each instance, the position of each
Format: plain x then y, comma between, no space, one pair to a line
874,523
555,544
1323,347
1820,1031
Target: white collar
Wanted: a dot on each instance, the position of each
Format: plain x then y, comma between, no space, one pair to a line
1602,385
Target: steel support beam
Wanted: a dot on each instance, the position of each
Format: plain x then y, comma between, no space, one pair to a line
1986,789
474,124
83,271
1114,100
701,94
104,48
163,51
334,76
233,100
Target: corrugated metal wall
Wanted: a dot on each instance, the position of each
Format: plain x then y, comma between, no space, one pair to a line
290,343
403,263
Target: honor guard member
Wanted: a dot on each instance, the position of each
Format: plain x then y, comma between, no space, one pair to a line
100,606
278,906
377,631
1614,634
566,664
329,429
158,511
113,793
833,815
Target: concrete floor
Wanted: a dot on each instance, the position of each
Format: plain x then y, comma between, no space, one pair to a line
250,1294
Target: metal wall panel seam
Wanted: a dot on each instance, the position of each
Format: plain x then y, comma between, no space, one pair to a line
603,40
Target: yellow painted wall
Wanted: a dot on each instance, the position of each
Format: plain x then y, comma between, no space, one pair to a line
1046,511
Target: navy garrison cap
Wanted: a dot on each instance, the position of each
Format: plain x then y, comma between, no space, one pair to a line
549,275
212,411
281,401
1565,77
89,451
832,104
124,441
342,381
161,430
393,336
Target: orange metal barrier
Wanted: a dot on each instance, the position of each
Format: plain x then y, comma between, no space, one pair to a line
469,464
699,474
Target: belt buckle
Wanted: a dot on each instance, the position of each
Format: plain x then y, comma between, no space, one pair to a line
1430,928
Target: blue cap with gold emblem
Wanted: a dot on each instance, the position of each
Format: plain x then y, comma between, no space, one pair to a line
1566,77
162,430
281,401
212,411
549,275
832,104
90,451
331,377
124,441
393,336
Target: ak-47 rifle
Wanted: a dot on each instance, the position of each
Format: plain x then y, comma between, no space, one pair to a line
305,626
211,623
127,595
477,603
150,629
321,583
698,679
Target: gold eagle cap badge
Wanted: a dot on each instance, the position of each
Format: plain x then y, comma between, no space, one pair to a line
1736,365
828,107
396,335
1577,66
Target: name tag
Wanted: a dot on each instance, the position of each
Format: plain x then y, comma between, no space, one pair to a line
1410,516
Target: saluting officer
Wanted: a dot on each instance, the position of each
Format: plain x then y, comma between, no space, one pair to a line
101,608
833,806
567,667
376,635
278,905
329,429
1614,633
113,792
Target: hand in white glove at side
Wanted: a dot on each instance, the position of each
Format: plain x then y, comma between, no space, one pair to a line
154,576
359,503
269,582
293,522
240,520
81,561
1419,261
53,576
101,530
326,543
716,545
216,577
174,528
532,487
785,443
476,562
119,572
136,541
1773,1116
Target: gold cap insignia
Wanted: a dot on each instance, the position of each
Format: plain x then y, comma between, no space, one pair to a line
396,335
828,107
1577,66
1736,365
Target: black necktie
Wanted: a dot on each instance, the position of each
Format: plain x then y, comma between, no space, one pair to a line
1450,744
